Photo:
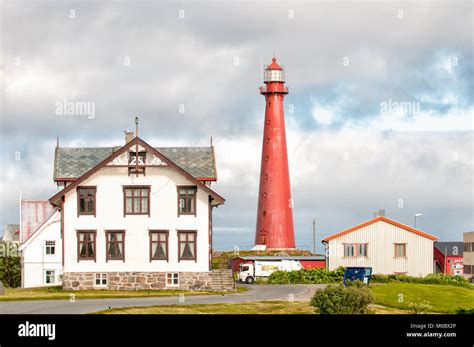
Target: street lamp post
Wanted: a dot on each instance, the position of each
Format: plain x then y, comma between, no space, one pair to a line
417,215
314,235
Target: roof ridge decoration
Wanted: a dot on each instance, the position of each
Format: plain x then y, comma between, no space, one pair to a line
377,219
55,199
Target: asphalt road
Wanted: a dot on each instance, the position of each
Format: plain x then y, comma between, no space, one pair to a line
255,293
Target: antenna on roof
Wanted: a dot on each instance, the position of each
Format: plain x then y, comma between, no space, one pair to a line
136,124
57,141
211,141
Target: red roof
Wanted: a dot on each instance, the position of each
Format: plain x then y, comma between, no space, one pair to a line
377,219
274,65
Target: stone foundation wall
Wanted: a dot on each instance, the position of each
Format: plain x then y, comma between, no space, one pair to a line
139,280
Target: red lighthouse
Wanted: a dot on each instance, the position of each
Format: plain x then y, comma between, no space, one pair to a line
275,215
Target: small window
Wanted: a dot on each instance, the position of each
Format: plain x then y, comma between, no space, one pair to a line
136,200
86,245
86,198
132,158
158,245
172,280
50,247
49,276
115,245
349,250
101,280
362,250
187,245
187,200
400,250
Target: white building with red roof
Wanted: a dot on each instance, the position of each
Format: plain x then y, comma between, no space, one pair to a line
387,246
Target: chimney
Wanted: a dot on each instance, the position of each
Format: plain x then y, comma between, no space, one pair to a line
379,213
128,136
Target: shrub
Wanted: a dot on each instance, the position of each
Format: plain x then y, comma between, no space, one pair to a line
418,307
10,271
437,278
307,276
339,299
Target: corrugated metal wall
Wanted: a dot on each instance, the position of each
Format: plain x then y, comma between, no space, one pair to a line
381,238
33,214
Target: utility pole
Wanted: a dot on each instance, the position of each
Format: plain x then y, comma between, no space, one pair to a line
314,236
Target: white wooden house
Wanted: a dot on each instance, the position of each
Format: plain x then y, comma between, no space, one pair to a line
41,255
389,247
135,217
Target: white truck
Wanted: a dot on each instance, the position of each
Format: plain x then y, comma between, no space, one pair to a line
257,269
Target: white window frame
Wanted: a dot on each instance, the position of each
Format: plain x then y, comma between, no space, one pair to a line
102,276
46,274
46,246
172,276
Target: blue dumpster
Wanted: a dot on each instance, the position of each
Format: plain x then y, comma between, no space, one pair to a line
362,274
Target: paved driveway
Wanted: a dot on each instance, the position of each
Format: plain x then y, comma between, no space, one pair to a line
255,293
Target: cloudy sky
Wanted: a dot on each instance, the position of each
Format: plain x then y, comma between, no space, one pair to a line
191,71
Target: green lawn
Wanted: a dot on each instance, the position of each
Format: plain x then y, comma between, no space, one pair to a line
56,293
261,307
441,298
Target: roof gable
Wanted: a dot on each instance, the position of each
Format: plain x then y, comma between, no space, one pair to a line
378,219
71,163
161,160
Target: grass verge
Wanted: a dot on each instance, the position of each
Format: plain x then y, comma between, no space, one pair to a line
440,298
259,307
57,293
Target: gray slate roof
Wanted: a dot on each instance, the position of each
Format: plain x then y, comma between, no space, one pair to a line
72,162
10,232
449,248
274,257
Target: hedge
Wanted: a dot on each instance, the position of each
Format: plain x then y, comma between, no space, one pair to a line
307,276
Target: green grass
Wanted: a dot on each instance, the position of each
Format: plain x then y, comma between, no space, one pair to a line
57,293
261,307
441,298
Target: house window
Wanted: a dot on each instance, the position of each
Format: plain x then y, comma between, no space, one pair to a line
467,269
352,250
86,245
158,245
86,197
400,250
187,200
101,280
136,200
115,245
187,245
362,250
172,280
49,247
349,250
49,277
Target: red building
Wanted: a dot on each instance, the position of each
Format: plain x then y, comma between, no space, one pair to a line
448,258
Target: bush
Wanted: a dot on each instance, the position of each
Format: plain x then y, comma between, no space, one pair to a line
339,299
10,271
437,278
307,276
